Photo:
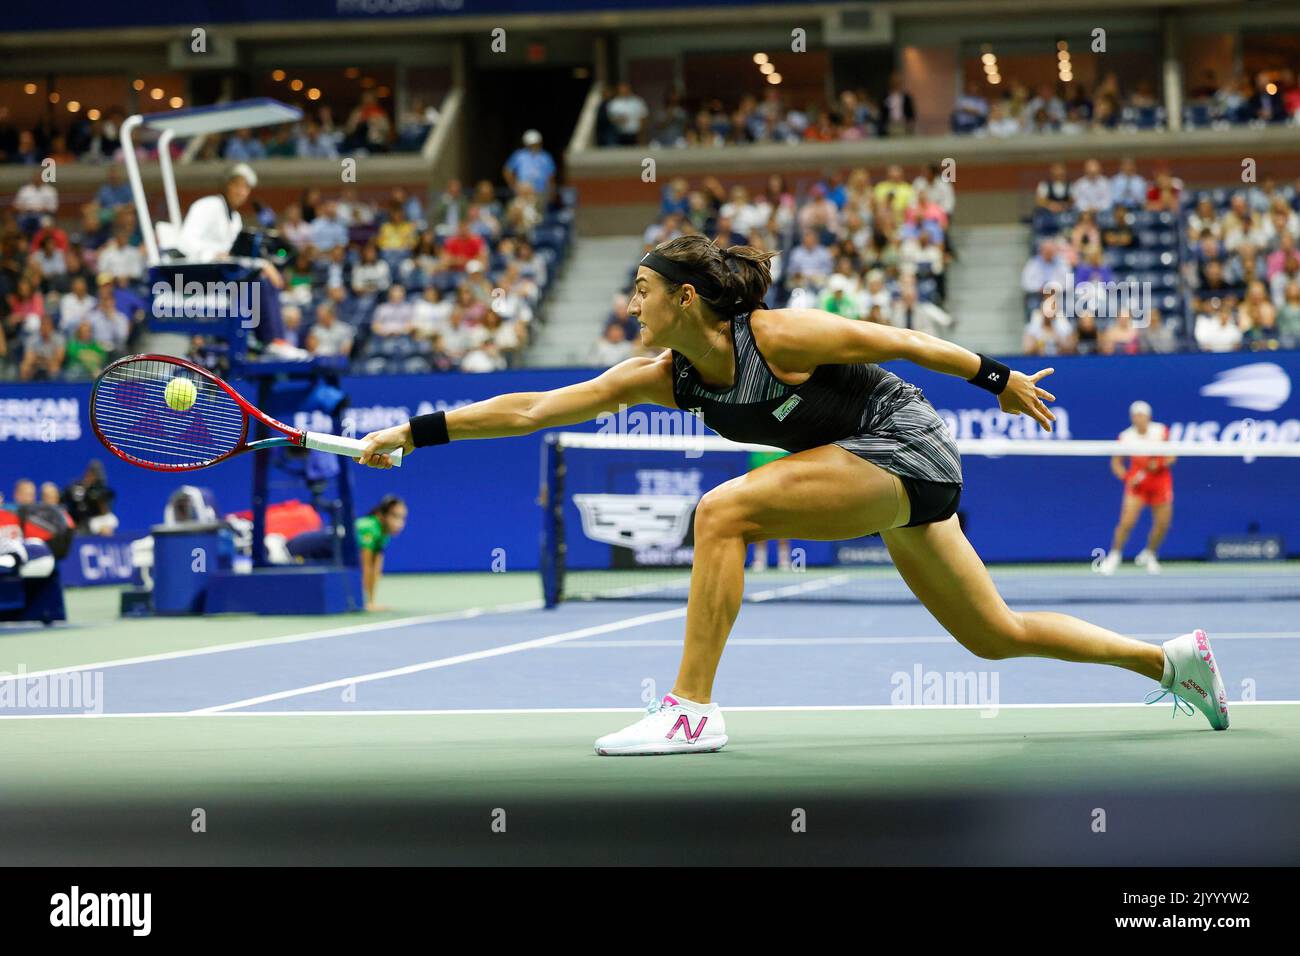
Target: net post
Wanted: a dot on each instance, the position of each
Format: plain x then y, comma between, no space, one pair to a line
551,499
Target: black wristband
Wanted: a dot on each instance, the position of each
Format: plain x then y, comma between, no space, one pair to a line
992,376
429,430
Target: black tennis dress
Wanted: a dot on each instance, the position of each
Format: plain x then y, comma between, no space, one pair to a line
862,408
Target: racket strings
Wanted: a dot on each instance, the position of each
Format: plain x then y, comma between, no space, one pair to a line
134,417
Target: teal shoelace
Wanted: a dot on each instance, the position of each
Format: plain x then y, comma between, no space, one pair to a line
1156,696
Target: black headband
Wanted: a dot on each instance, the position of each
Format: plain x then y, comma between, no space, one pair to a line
707,286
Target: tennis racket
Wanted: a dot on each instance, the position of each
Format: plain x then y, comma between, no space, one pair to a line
168,414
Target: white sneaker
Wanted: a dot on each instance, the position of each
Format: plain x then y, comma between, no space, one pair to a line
1147,559
669,727
1194,678
1110,562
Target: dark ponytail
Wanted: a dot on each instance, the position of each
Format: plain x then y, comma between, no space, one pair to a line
386,504
734,279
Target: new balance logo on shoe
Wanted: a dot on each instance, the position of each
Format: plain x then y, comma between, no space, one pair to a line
684,722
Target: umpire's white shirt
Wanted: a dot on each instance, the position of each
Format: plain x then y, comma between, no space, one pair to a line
209,230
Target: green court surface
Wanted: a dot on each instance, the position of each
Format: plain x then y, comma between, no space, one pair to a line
883,786
495,756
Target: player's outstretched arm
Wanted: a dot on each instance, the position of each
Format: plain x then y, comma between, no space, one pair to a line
802,339
636,381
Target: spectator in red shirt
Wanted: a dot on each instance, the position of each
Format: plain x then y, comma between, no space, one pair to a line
1162,196
465,246
51,230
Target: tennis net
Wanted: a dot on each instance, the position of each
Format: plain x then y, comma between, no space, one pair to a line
618,514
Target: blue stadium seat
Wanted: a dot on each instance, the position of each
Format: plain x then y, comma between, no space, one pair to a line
1196,115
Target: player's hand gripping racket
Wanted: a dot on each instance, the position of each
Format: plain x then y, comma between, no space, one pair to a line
168,414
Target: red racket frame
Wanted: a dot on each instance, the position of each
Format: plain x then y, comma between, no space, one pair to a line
294,436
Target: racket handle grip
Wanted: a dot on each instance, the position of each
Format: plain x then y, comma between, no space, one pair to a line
348,447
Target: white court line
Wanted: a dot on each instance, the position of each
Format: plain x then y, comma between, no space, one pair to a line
816,584
286,639
922,639
451,661
537,711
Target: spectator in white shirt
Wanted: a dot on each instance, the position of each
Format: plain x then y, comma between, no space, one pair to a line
110,326
912,313
627,112
37,198
329,336
430,314
294,228
810,260
460,336
1127,188
745,216
1049,332
486,357
516,283
1092,191
75,306
50,259
394,316
932,183
119,258
329,230
1001,123
1049,267
918,250
611,348
371,275
876,294
1218,332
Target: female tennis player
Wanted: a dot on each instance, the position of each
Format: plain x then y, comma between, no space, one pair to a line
1148,483
868,454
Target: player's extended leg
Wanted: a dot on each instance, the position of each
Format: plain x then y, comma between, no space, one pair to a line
823,494
943,570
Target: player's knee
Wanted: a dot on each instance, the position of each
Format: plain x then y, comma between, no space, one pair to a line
716,515
996,640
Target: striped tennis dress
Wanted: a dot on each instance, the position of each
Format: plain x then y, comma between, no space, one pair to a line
862,408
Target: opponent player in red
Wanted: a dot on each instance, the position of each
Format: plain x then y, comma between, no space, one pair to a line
1148,483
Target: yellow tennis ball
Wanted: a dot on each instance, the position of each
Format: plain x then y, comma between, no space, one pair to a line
180,394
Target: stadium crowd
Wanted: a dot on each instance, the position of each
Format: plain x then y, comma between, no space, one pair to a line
400,284
369,127
867,249
1013,108
625,119
1126,265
